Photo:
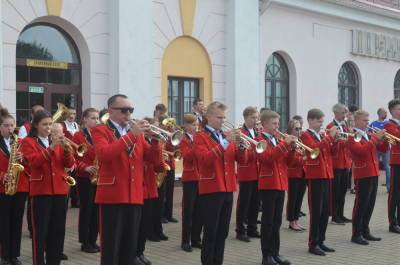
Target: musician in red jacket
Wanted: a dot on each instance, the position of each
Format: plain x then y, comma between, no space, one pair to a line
318,172
365,172
121,149
248,202
393,128
11,205
341,161
86,171
48,160
272,184
216,154
191,223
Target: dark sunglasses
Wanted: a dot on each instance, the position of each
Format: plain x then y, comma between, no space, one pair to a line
298,129
125,110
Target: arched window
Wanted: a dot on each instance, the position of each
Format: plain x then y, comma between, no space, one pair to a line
277,87
348,85
397,85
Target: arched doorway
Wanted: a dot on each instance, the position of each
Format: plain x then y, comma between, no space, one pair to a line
348,84
48,70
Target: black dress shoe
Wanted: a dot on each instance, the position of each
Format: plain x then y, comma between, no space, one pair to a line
197,244
16,261
243,237
88,248
269,260
164,220
64,257
173,220
186,247
345,219
137,261
325,248
95,246
295,229
163,237
359,240
394,229
316,251
337,221
282,261
153,238
144,260
370,237
254,234
5,262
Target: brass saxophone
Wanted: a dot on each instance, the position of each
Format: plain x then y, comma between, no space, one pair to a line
95,177
161,176
13,170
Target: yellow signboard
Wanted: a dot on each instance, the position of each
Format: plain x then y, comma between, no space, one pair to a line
46,64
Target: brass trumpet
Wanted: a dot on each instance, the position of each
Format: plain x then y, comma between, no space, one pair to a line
314,153
390,138
80,149
247,141
177,155
175,137
345,136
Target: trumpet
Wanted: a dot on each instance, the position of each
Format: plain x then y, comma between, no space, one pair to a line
177,155
247,141
70,181
81,149
390,138
314,153
175,137
345,136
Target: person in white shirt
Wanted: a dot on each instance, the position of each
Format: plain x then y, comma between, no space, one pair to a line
198,109
71,125
25,129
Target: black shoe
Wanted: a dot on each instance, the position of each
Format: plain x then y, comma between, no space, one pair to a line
75,205
337,221
137,261
258,221
295,229
394,229
95,246
173,220
254,234
370,237
269,260
359,240
186,247
153,238
5,262
243,237
281,260
163,237
325,248
302,214
144,260
316,251
345,219
64,257
88,248
164,220
16,261
197,245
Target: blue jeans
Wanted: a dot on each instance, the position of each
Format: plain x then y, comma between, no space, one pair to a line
384,158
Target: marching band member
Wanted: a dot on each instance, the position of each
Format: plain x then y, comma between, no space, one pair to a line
48,159
11,205
26,128
86,171
198,109
248,202
272,184
365,172
393,128
121,149
70,126
341,161
216,155
191,223
318,172
297,185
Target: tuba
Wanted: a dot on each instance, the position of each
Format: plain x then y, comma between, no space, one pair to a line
61,114
13,170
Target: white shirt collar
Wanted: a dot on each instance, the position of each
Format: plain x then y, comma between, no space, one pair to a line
8,143
45,141
190,136
122,130
315,133
363,133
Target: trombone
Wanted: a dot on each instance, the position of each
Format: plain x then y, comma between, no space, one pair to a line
247,141
314,153
390,138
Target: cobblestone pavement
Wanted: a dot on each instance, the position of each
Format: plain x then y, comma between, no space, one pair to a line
293,245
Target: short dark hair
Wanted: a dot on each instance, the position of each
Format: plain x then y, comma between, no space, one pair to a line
161,107
4,114
393,103
113,98
380,110
249,111
297,117
315,114
267,115
353,108
196,101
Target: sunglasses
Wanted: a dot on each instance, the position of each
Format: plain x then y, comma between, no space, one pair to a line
298,129
125,109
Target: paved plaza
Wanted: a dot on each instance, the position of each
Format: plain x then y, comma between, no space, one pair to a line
293,245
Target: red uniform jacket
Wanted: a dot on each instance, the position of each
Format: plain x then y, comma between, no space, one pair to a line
83,137
248,171
149,182
394,129
190,168
216,165
121,164
365,161
273,167
28,126
295,165
321,167
47,167
341,158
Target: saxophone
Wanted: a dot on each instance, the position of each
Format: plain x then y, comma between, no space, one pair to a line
94,178
13,170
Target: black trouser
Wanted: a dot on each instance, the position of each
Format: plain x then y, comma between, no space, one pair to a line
364,204
73,194
146,223
339,189
248,204
271,221
318,201
169,194
29,215
394,196
159,207
297,188
11,218
191,218
216,210
119,231
88,212
49,215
